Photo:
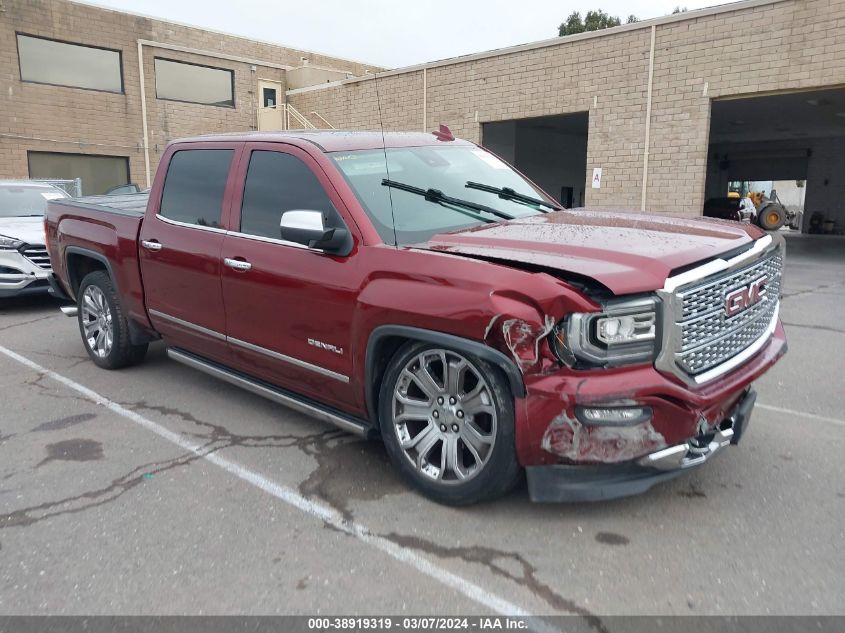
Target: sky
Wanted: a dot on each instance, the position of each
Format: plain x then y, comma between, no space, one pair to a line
390,33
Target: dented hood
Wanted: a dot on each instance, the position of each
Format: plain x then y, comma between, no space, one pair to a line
625,252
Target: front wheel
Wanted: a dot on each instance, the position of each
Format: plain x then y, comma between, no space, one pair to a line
104,328
447,420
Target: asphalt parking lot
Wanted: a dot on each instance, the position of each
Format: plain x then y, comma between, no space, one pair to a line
158,490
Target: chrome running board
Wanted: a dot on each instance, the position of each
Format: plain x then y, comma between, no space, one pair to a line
349,424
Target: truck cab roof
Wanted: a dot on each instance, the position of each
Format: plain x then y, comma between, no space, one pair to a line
330,140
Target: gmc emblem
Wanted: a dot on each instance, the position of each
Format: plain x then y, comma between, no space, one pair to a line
743,298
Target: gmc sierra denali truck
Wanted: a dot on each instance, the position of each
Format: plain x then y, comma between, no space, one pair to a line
417,288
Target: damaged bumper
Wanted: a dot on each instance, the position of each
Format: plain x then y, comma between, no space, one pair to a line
555,483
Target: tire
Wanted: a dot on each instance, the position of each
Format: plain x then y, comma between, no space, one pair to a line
103,326
427,412
771,217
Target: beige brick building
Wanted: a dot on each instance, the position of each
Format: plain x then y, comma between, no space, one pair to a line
670,110
37,118
645,93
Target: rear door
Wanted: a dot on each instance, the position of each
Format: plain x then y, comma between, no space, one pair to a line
180,245
289,314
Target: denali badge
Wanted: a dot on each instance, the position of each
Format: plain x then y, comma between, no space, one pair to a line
745,297
326,346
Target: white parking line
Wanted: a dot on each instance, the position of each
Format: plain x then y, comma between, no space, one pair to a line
291,497
802,414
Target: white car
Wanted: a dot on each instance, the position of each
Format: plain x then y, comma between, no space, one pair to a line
24,264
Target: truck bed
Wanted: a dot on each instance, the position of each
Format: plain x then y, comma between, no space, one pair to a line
134,204
104,229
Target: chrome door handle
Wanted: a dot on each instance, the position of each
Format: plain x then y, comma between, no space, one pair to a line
151,245
237,264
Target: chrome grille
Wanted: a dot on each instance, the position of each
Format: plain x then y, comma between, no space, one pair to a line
38,256
708,337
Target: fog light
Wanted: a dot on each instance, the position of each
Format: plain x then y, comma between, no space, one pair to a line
612,416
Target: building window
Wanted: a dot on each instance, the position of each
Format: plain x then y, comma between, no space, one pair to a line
269,98
194,186
98,173
192,83
46,61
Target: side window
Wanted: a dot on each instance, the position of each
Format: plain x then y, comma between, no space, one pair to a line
194,186
275,183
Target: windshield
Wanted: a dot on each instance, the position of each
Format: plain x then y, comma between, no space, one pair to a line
447,169
21,200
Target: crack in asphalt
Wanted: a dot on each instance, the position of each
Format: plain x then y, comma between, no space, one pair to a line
19,323
44,390
219,433
809,291
488,557
322,447
318,483
823,328
30,515
77,359
54,354
331,480
218,439
348,469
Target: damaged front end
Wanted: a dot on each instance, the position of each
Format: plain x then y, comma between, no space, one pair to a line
593,439
570,482
599,420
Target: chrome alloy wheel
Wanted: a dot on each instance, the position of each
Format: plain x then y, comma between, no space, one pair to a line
97,321
444,416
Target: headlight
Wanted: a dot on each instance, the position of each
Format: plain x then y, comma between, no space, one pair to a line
626,332
9,243
630,328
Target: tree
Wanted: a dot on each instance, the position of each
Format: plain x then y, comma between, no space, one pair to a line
679,9
631,19
597,20
593,21
573,25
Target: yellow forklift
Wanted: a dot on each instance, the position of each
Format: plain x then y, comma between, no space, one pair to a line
770,213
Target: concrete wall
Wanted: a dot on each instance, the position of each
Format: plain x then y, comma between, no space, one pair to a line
62,119
698,56
826,181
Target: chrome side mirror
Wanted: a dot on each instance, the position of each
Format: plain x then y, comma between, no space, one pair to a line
308,227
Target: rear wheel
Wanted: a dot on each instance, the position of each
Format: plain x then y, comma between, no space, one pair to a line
104,328
771,217
447,420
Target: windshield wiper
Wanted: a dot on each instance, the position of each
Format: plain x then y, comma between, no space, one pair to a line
435,195
506,193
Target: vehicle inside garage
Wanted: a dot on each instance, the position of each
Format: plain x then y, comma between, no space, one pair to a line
793,143
551,151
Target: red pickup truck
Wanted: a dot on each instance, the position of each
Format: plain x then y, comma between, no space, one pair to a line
416,288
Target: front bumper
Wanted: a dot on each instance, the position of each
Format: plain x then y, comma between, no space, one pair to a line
19,276
555,483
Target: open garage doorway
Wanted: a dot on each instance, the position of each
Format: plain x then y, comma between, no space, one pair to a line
793,143
550,150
